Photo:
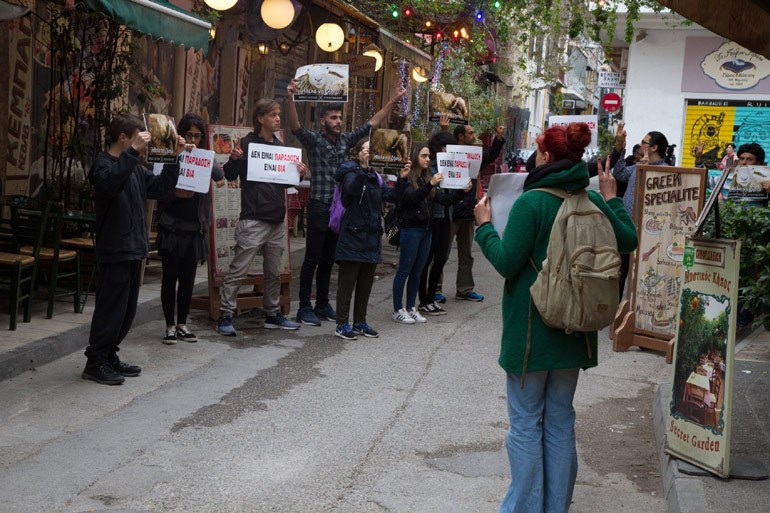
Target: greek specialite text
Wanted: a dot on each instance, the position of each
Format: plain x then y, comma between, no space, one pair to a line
704,444
665,189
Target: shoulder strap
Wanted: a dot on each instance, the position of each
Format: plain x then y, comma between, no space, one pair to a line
561,193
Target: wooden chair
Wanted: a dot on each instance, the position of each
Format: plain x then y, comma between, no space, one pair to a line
24,226
51,256
694,407
84,242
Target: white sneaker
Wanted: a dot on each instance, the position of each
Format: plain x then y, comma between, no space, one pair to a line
403,317
414,314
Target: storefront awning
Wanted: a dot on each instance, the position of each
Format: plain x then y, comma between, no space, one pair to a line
158,19
403,49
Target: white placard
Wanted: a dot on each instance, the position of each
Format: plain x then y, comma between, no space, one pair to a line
591,120
157,168
274,164
322,83
504,190
474,154
609,79
454,167
195,170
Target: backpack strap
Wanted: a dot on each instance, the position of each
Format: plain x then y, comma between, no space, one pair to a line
561,193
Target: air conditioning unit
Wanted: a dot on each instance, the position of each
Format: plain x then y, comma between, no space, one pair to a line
568,104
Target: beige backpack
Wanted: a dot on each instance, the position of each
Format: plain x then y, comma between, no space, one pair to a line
577,290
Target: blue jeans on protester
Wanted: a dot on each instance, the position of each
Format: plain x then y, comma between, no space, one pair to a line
541,442
415,246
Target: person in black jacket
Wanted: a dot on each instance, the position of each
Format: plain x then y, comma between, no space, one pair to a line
122,186
415,194
261,226
184,218
359,245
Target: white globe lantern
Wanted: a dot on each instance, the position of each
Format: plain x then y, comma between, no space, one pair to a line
419,74
277,14
221,5
372,50
329,37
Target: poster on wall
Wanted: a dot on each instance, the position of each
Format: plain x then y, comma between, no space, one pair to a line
389,149
223,138
667,207
715,123
226,209
713,65
457,107
700,411
322,83
591,120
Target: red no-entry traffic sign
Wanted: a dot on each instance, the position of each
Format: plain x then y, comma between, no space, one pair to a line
611,102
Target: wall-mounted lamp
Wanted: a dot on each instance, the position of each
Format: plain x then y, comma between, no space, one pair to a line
372,50
329,37
262,47
213,32
419,74
221,5
277,14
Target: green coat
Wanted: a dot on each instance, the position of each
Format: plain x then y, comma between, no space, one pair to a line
526,234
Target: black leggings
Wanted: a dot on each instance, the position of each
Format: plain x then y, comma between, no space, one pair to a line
182,270
439,253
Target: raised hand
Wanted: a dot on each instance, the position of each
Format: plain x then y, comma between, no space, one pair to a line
608,187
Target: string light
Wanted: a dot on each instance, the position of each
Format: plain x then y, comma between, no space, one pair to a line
480,16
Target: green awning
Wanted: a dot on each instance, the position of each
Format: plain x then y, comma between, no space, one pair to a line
158,19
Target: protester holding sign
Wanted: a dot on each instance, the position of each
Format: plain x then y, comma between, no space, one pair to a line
541,439
121,188
327,149
359,247
261,226
184,218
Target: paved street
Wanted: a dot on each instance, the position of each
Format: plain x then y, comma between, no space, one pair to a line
414,421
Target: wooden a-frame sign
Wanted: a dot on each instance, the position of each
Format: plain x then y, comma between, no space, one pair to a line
668,201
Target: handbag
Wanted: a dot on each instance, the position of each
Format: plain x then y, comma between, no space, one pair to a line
393,227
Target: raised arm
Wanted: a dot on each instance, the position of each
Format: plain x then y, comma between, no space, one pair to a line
291,108
383,113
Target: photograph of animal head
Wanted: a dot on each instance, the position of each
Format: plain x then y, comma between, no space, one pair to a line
447,103
389,146
163,134
322,80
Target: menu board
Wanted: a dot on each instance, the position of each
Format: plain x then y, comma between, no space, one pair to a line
700,411
668,202
226,206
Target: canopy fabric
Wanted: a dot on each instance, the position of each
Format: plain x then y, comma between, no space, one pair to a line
403,49
158,19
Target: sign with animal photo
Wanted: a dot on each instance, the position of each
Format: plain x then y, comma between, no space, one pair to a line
474,154
275,164
457,107
700,409
322,83
455,169
746,185
223,138
389,149
163,138
667,207
195,170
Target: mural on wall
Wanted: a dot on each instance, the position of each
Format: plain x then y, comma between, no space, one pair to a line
715,123
715,65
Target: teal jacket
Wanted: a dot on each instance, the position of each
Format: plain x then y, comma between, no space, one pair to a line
526,235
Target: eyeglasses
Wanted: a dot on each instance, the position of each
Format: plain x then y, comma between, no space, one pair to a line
193,135
646,142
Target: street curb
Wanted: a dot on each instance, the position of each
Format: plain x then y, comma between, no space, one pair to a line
40,352
684,494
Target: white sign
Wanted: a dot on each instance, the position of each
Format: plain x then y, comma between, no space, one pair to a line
322,83
609,79
474,155
591,120
454,167
504,190
274,164
195,170
733,67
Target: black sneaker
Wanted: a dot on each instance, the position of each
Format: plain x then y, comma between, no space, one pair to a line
102,373
123,368
170,338
325,313
182,333
432,309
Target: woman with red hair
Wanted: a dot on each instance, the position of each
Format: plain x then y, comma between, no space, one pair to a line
541,439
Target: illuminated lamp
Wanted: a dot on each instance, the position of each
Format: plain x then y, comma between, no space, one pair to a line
372,50
221,5
277,14
329,37
419,74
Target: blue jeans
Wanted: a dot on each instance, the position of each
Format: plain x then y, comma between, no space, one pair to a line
541,442
415,246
